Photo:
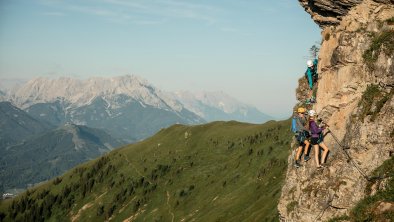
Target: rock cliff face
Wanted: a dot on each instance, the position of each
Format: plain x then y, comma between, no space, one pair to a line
355,97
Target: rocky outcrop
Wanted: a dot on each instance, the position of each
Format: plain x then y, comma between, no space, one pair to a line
355,97
330,12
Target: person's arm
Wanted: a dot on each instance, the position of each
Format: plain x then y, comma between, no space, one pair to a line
300,126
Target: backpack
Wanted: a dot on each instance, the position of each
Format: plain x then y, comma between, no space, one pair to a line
294,124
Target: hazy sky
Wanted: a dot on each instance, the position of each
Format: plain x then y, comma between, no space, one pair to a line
254,50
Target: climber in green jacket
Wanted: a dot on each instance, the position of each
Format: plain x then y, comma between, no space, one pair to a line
312,76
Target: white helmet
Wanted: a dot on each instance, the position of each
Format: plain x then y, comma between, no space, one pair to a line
312,112
309,63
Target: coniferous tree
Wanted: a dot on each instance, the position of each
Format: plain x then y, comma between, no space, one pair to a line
314,50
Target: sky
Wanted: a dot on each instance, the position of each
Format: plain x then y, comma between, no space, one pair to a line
253,50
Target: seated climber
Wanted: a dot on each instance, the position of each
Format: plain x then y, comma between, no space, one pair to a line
317,139
312,76
302,134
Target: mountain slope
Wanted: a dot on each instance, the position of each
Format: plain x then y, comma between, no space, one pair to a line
222,171
213,106
16,125
51,154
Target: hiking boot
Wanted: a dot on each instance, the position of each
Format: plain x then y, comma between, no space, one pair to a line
297,165
306,158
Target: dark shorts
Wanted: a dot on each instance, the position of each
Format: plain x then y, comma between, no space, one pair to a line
301,137
315,141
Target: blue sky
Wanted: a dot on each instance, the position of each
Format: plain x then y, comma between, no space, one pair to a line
254,50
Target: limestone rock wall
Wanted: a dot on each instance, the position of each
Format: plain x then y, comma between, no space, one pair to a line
355,97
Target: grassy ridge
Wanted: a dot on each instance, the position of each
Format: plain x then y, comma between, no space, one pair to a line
222,171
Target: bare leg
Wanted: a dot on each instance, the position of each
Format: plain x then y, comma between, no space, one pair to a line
325,151
298,154
306,147
317,155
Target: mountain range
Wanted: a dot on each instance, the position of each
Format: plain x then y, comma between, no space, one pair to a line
127,107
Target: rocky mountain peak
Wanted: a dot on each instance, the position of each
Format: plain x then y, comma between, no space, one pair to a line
79,92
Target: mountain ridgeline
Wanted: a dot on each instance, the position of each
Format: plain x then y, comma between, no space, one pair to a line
221,171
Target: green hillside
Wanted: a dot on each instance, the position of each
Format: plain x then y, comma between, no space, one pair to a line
221,171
